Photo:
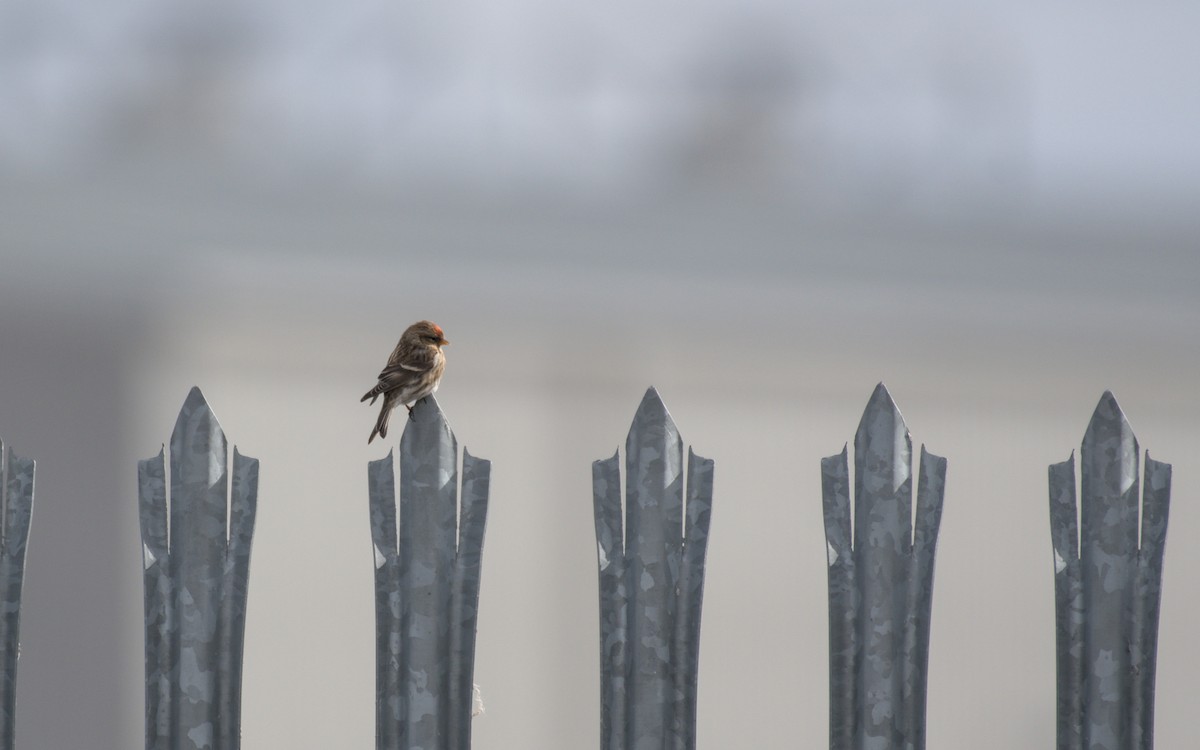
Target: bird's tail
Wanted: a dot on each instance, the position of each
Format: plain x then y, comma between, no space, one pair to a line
381,424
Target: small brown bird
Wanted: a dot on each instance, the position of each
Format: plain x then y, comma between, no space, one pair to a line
413,372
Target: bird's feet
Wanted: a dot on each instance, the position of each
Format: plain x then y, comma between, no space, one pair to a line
410,413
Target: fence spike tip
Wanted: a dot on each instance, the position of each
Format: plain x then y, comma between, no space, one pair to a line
650,400
649,412
1108,419
195,400
1108,406
880,403
194,404
652,404
881,400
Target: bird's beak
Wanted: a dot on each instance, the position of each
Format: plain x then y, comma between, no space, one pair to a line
443,342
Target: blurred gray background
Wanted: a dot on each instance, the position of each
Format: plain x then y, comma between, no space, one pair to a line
762,211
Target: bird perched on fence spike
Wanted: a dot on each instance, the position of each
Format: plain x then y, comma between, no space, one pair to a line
412,372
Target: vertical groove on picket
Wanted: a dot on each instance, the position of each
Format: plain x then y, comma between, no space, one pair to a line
651,579
881,584
427,572
16,507
1108,589
196,549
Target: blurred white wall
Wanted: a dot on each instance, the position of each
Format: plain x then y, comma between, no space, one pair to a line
762,211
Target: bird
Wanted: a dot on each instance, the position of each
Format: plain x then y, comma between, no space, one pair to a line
412,372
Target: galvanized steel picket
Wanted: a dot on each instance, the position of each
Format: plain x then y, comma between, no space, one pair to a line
1107,586
881,585
651,583
196,584
426,585
16,509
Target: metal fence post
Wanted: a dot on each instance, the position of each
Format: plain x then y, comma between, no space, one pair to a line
195,584
881,586
1107,587
651,585
426,585
16,507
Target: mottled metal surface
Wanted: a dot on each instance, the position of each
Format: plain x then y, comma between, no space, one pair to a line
16,508
881,584
1107,586
427,574
195,577
651,582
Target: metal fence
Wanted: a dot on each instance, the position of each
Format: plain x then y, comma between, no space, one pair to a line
651,554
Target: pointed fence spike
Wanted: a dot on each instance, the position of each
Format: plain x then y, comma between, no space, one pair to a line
651,584
1107,600
881,586
196,570
427,574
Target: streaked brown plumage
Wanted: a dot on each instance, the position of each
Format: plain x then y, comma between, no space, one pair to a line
413,372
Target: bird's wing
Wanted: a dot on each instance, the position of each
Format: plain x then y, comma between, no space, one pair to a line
391,378
419,361
401,374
